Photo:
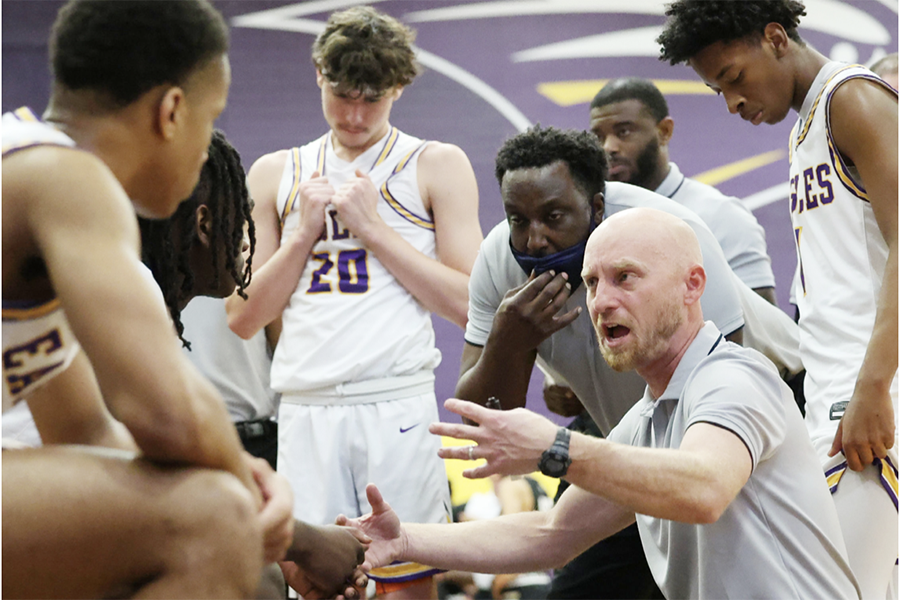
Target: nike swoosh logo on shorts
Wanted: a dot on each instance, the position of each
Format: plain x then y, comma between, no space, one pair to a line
402,430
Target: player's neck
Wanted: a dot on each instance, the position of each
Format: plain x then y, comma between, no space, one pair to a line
808,63
110,136
350,151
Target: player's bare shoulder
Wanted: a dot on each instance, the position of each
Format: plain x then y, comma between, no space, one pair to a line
35,213
264,176
442,166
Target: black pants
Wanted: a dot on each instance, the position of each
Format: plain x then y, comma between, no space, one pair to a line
260,438
613,568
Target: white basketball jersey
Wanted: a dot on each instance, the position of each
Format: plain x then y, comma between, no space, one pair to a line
37,341
350,320
841,254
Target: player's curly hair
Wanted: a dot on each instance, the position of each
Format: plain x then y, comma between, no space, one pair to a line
365,50
540,146
633,88
124,48
695,24
167,243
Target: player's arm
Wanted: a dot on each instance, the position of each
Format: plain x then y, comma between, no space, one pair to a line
83,417
446,175
447,186
517,543
864,127
276,267
88,238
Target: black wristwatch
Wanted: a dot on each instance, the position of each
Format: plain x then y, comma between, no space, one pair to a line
555,461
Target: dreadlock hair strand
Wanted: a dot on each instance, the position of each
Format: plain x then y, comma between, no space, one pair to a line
167,243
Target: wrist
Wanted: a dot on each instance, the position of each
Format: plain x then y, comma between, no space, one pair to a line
555,461
374,233
303,544
305,236
873,383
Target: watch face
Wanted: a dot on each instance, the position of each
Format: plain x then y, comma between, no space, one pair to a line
553,466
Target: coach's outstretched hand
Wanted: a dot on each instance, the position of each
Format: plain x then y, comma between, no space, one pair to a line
511,441
382,526
325,561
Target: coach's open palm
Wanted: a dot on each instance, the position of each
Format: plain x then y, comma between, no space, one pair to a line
383,526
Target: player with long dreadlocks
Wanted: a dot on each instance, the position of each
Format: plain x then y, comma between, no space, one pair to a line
200,251
185,251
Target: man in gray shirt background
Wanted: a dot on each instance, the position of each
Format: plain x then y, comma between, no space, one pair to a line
631,120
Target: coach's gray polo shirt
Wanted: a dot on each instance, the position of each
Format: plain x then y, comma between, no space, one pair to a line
780,537
572,354
742,238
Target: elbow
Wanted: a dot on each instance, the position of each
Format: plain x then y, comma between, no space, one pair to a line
460,316
459,311
165,431
708,507
240,325
164,437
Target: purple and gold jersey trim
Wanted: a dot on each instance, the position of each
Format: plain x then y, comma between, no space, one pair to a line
28,311
887,474
802,135
395,204
320,157
398,572
295,187
840,167
388,146
24,113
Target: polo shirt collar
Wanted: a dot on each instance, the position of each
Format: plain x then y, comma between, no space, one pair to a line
703,343
672,182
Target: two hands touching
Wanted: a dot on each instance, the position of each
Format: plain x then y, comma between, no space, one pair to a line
355,203
326,562
318,562
511,442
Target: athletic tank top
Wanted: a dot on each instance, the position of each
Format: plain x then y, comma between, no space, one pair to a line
37,341
841,253
350,320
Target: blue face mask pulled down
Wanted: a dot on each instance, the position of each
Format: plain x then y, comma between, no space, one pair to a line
568,261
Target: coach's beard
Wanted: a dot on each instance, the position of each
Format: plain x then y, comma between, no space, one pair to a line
642,349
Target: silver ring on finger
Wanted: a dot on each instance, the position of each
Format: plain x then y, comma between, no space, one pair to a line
471,449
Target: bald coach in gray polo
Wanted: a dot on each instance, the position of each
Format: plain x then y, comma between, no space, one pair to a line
781,529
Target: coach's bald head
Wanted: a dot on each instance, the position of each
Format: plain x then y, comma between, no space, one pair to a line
643,270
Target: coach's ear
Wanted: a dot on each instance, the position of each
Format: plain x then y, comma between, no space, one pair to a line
695,283
203,228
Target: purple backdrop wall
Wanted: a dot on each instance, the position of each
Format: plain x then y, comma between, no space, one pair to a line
486,76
